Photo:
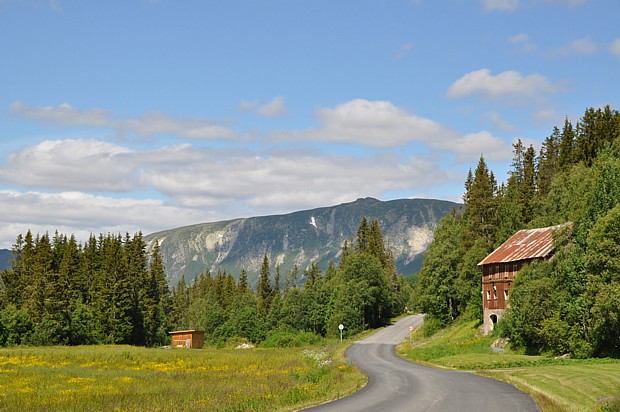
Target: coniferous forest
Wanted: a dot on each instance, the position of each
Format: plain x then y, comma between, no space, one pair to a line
570,303
111,291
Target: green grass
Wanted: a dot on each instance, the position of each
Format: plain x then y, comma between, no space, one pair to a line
555,384
130,378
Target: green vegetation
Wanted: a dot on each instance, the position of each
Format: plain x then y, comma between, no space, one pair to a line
568,304
130,378
110,291
557,384
60,293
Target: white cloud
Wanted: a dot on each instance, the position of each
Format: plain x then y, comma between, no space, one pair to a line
160,123
63,115
152,123
287,180
581,46
506,84
82,164
82,214
615,47
371,123
522,42
275,108
472,145
501,5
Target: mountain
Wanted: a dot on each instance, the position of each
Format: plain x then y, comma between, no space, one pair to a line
298,238
5,259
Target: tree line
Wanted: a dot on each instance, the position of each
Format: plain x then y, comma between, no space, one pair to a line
59,292
568,304
110,290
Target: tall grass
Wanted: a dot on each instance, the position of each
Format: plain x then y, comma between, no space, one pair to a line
555,384
130,378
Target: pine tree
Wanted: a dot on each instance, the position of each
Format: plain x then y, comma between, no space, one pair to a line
363,235
242,286
480,211
567,146
376,247
264,292
469,181
276,281
527,189
312,275
548,162
156,301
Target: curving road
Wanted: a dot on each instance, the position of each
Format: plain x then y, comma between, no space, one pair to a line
395,384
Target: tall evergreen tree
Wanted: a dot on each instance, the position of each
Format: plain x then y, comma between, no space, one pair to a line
548,161
264,292
480,210
363,235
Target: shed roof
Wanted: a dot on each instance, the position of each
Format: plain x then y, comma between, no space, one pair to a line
176,332
525,244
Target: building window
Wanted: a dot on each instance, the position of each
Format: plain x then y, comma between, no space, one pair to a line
505,294
494,292
488,295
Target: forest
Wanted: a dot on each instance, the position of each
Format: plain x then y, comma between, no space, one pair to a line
568,304
112,291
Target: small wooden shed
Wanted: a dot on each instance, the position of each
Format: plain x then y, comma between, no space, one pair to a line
500,268
194,339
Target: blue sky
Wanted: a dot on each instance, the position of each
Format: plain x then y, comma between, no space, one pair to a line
148,115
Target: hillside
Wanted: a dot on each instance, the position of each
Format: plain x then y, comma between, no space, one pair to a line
298,238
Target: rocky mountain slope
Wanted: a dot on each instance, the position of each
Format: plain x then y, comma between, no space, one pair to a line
298,238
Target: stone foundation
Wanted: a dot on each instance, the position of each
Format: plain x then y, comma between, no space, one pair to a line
490,318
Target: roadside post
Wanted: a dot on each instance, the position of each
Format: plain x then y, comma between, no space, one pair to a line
341,327
410,334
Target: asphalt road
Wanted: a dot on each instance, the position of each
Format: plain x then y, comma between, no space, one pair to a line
395,384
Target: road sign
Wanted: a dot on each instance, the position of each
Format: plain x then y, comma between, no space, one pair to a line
341,327
410,328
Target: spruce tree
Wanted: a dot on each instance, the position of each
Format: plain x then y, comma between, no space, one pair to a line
480,211
363,234
264,292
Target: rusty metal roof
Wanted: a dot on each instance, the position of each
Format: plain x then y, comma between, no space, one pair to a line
525,244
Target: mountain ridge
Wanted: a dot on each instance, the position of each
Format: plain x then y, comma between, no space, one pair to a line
298,238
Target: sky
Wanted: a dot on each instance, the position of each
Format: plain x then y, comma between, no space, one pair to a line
146,115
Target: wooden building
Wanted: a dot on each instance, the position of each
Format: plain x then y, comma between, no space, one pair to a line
500,268
194,339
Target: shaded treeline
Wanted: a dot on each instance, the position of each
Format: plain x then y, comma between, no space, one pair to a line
570,303
110,290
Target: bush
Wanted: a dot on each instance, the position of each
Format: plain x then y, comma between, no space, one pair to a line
291,339
431,325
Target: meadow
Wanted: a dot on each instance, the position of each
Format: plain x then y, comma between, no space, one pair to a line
557,384
127,378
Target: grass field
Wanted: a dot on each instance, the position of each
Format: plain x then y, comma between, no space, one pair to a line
555,384
130,378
